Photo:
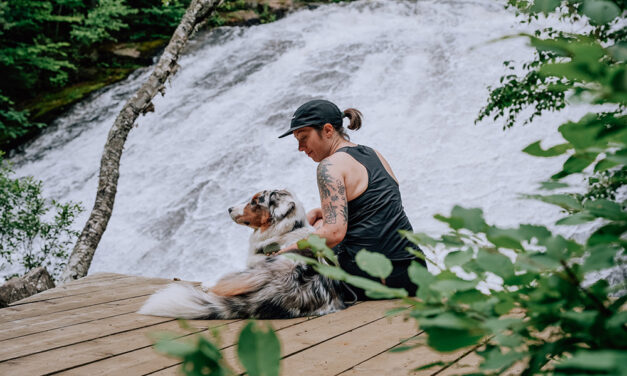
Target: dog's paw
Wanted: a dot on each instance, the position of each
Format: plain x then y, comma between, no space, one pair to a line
205,286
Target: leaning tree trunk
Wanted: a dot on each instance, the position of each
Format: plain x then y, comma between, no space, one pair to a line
140,103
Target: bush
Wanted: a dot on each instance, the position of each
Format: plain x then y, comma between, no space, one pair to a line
33,231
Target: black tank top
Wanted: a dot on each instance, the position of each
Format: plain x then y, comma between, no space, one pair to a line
375,216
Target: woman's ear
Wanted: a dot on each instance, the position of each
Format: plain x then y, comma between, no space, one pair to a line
328,129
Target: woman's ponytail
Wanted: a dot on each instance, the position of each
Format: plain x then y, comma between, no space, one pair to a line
354,115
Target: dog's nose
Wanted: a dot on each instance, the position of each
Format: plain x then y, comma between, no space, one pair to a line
230,210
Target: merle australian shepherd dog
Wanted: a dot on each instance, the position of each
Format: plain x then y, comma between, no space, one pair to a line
270,287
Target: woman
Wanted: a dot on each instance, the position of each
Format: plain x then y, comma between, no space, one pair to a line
359,195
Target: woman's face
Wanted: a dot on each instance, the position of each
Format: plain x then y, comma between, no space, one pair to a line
310,142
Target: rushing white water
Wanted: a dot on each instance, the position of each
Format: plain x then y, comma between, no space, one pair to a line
418,71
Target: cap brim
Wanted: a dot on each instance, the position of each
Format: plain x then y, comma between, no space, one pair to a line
291,130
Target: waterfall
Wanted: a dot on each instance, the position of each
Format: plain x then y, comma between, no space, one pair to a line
418,70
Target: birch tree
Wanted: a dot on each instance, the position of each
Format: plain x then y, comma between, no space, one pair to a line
139,103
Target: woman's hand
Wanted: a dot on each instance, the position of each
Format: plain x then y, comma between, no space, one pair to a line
289,248
314,217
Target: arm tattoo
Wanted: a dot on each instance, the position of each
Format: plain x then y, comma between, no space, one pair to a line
324,179
332,195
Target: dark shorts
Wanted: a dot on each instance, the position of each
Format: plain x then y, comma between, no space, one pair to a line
397,279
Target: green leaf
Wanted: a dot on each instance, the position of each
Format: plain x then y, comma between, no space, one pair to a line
594,361
447,339
559,248
529,232
448,320
600,257
604,164
399,349
544,6
504,238
332,272
509,340
457,258
468,296
576,219
606,209
565,201
583,319
536,150
544,261
175,348
449,286
429,365
496,263
600,12
618,51
419,275
313,241
375,264
496,360
301,258
259,350
576,163
551,185
375,289
471,219
609,233
419,238
503,307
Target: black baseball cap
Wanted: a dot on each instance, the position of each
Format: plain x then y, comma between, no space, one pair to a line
315,113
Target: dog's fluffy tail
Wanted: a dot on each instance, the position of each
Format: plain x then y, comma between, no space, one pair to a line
180,301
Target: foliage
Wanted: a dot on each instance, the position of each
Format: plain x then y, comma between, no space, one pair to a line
33,231
101,21
13,123
540,93
48,44
258,349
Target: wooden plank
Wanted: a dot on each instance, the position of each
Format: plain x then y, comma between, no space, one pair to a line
466,364
146,360
76,333
310,333
404,362
140,288
93,350
38,324
347,350
470,363
77,289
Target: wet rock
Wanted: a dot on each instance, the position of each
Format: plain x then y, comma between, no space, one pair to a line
242,17
273,5
35,281
134,51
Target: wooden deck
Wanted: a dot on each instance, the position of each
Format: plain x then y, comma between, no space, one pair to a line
89,327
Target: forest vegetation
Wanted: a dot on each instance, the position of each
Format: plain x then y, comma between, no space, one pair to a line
55,52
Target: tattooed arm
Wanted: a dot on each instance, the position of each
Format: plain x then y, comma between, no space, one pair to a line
334,206
333,202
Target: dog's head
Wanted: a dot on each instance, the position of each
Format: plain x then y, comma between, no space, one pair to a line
267,208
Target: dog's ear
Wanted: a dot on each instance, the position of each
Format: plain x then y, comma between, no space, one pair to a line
280,204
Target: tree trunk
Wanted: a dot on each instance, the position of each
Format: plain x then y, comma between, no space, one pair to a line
140,103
